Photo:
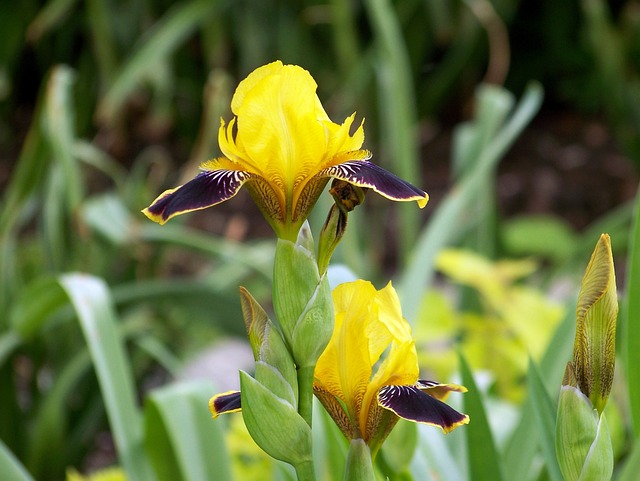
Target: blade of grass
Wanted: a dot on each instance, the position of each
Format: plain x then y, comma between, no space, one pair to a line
451,218
165,36
523,444
631,467
51,15
397,104
544,414
58,122
632,321
92,303
484,462
183,442
10,467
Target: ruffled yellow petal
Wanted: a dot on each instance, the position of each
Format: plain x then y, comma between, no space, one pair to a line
343,368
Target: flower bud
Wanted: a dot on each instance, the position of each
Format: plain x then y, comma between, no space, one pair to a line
274,366
302,299
274,423
596,314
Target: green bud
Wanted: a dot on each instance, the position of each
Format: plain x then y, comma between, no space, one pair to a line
583,444
359,466
330,236
274,423
346,197
302,300
269,349
596,314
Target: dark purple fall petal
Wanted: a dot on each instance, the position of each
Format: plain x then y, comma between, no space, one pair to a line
367,174
409,402
206,189
228,402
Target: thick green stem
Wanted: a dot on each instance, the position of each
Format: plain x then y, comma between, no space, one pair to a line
305,393
305,471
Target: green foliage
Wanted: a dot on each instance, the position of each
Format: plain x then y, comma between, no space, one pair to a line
107,102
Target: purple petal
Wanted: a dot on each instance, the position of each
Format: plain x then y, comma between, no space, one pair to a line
227,402
367,174
206,189
409,402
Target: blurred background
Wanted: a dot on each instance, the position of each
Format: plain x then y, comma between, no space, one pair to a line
520,118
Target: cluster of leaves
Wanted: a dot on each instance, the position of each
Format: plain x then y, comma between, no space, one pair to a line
116,78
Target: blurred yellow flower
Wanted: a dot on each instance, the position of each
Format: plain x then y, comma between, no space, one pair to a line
114,473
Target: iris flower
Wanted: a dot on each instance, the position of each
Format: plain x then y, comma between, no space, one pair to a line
364,393
282,146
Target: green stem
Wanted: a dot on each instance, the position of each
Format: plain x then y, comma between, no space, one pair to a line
305,393
305,471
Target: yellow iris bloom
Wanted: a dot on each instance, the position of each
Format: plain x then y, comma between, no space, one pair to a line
364,394
282,145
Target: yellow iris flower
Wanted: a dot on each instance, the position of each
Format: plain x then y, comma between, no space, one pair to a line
283,147
364,394
367,378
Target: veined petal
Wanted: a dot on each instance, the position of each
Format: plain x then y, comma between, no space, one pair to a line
437,390
409,402
208,188
367,174
344,368
278,127
226,402
400,367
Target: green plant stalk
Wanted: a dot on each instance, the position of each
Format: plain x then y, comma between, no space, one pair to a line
305,393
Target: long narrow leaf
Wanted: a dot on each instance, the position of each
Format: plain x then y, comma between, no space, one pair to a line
522,447
632,321
544,413
452,216
165,37
397,100
91,300
10,467
484,461
183,441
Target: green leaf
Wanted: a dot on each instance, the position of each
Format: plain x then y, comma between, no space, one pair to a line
10,467
182,440
523,443
35,304
544,414
451,218
631,339
90,297
166,35
484,462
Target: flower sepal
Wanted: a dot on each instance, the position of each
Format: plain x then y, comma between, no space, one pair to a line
274,423
583,442
302,299
273,360
359,466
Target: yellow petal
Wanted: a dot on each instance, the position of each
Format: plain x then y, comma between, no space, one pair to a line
399,368
278,127
344,368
